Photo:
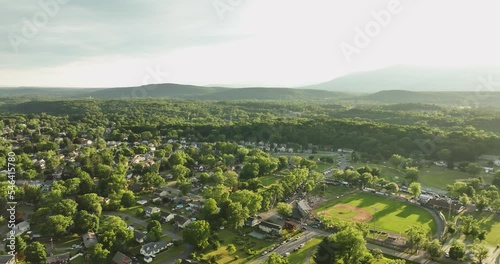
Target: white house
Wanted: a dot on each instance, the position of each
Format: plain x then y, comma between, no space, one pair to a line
22,227
269,227
181,221
148,212
139,236
153,248
89,239
167,217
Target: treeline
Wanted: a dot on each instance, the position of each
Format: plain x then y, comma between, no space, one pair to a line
374,130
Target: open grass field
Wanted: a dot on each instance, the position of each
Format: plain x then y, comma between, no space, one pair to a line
491,223
380,212
331,191
300,256
434,176
241,243
268,180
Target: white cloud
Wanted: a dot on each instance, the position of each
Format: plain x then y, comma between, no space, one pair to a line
260,42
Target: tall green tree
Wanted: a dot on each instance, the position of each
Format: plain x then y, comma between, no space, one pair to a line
35,253
345,246
415,189
417,237
197,233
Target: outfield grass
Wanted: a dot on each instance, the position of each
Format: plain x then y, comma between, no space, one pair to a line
388,214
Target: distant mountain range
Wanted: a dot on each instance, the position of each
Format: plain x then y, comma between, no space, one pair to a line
391,85
412,79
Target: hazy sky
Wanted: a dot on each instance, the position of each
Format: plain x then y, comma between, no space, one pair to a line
104,43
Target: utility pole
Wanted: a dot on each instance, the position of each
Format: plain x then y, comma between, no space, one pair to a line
449,210
52,244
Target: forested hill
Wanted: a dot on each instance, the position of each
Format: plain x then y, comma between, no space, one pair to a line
466,99
273,94
481,99
168,90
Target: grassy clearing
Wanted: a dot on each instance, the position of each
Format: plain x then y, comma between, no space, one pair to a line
388,214
321,166
171,253
491,223
300,256
242,243
434,176
267,180
331,191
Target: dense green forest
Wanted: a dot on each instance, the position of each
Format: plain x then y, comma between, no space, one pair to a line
378,131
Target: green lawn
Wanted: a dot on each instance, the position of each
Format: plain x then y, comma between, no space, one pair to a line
387,214
171,253
321,166
268,180
331,191
241,243
387,258
300,256
78,260
439,177
434,176
491,223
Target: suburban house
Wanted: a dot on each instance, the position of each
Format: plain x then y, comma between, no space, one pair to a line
121,258
161,193
142,202
251,221
166,216
154,248
181,221
22,227
7,259
346,150
269,227
150,211
304,208
58,259
139,236
89,239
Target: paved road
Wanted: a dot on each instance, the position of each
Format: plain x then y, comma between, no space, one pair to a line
314,232
289,246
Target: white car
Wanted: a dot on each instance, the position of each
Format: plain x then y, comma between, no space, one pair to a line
447,255
148,259
287,254
264,253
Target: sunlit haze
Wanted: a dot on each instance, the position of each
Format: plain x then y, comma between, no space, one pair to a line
95,43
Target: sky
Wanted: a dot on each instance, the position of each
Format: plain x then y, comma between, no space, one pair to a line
280,43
